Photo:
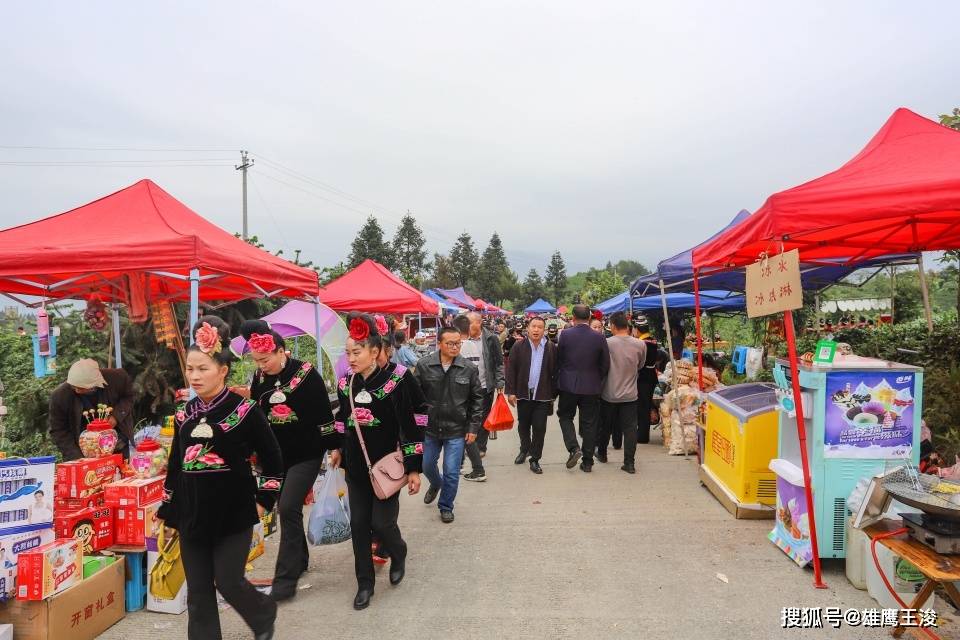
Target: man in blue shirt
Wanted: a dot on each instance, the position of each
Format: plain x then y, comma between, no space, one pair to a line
531,382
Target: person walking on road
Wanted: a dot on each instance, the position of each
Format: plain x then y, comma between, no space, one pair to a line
481,347
454,396
531,384
619,396
584,360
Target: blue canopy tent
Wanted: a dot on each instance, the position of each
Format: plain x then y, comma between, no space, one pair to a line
458,297
676,272
445,303
711,300
540,306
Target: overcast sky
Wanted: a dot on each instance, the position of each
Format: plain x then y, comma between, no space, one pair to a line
606,130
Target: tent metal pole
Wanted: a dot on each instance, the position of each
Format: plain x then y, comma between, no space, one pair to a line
116,335
316,336
696,306
673,365
926,294
194,301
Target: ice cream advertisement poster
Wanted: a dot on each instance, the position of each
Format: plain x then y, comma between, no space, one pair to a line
869,415
791,531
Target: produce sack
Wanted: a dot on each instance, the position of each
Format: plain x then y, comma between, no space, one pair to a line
500,418
330,516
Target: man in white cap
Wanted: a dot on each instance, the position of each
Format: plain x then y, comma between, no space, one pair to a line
87,386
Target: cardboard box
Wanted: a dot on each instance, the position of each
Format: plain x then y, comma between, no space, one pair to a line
257,546
93,527
83,478
26,491
12,544
49,569
65,505
82,612
134,492
176,606
133,525
269,521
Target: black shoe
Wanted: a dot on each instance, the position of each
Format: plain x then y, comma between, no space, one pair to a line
268,634
617,447
446,516
602,457
521,458
283,594
431,494
575,456
586,468
362,601
629,468
535,467
476,476
397,571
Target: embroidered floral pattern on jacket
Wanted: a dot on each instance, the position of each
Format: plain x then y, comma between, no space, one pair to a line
364,417
391,383
413,449
327,429
201,458
236,417
266,483
281,414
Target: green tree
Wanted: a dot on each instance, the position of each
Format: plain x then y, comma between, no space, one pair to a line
509,287
602,284
491,270
952,120
329,274
370,243
409,251
532,288
443,275
630,270
555,280
464,259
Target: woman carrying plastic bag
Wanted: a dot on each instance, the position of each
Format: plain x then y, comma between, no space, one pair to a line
330,516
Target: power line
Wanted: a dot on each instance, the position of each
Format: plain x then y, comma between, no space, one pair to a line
108,165
149,149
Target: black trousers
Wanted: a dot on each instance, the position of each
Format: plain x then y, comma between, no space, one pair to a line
217,564
480,444
532,416
621,416
608,432
645,391
589,408
293,556
370,514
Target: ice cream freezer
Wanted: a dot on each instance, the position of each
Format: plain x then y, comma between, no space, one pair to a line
862,415
739,440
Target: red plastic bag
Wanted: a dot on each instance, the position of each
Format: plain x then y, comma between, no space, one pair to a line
500,417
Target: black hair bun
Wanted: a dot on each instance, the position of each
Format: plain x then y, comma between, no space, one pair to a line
224,355
250,327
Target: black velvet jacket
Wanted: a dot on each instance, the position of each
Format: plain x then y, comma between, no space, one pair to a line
387,420
210,490
303,421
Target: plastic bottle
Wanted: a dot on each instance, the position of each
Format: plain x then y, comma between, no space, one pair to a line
43,331
165,438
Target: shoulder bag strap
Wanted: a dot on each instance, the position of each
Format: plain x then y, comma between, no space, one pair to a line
356,425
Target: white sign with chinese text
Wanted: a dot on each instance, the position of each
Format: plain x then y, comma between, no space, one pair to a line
773,284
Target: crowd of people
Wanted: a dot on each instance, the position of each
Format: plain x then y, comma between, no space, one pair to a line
405,408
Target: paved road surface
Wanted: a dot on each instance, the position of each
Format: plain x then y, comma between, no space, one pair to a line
562,555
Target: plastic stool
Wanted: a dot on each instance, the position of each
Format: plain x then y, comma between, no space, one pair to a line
135,587
739,360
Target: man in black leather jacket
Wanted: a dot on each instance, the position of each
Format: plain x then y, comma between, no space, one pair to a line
454,396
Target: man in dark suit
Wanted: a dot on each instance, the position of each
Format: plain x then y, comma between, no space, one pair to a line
531,386
87,386
584,360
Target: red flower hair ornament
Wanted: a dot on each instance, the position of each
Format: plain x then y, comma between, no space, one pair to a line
359,330
262,343
207,339
597,315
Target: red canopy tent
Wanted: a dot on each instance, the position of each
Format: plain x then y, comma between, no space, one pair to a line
372,287
900,194
141,231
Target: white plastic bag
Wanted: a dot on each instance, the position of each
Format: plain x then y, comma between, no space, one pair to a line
330,516
754,362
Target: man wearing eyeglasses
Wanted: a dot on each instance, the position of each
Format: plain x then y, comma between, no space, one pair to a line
454,396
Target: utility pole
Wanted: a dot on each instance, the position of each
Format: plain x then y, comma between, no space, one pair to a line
245,164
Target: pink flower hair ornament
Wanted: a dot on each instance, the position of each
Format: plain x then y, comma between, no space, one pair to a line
381,322
207,339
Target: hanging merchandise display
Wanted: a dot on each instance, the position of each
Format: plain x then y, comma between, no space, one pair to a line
95,314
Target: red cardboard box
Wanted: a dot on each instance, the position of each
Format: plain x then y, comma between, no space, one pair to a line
66,505
134,492
92,526
49,569
133,525
83,478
